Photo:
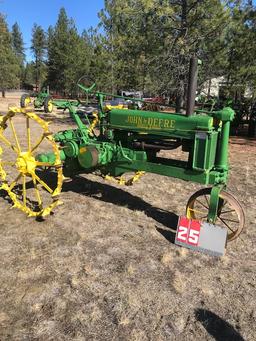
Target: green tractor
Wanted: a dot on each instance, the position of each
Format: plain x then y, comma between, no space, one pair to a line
124,141
42,99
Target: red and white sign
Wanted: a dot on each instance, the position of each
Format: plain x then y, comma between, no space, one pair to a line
201,236
188,231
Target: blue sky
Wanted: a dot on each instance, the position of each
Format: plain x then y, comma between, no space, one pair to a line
45,13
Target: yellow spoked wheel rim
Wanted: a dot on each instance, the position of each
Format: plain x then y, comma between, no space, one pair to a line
20,177
27,101
50,106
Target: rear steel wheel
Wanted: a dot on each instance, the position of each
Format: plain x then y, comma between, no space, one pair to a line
230,213
48,105
21,174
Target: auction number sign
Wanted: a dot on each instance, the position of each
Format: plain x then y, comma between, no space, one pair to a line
188,232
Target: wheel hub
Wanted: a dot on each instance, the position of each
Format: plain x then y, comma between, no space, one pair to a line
26,163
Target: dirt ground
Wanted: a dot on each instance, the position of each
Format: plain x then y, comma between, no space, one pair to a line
104,266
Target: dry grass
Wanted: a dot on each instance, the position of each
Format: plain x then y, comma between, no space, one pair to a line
103,267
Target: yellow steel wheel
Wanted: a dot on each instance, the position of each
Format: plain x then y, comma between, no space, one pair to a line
48,105
230,213
22,176
25,100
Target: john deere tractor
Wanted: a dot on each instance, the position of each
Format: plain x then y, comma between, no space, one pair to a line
42,99
119,141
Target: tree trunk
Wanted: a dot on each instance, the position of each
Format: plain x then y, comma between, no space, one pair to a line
252,125
181,91
252,128
37,75
179,102
3,93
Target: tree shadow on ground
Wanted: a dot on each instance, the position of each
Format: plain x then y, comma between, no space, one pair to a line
219,329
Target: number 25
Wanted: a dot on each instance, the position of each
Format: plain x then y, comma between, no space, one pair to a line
193,237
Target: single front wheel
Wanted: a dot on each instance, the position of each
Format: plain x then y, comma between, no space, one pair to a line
230,213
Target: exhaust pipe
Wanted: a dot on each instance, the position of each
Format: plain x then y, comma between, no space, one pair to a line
192,86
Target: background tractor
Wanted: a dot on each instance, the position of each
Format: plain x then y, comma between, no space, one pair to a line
42,99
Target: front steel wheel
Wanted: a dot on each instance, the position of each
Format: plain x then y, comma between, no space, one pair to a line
230,213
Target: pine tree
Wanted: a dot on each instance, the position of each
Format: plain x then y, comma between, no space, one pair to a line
242,65
101,67
18,44
58,50
18,47
197,28
29,75
9,64
130,42
149,42
38,48
68,54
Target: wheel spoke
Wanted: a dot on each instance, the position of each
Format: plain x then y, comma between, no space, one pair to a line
38,143
43,184
37,192
229,211
8,143
15,135
202,204
28,134
8,163
196,211
14,183
206,199
232,221
227,225
225,203
24,190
